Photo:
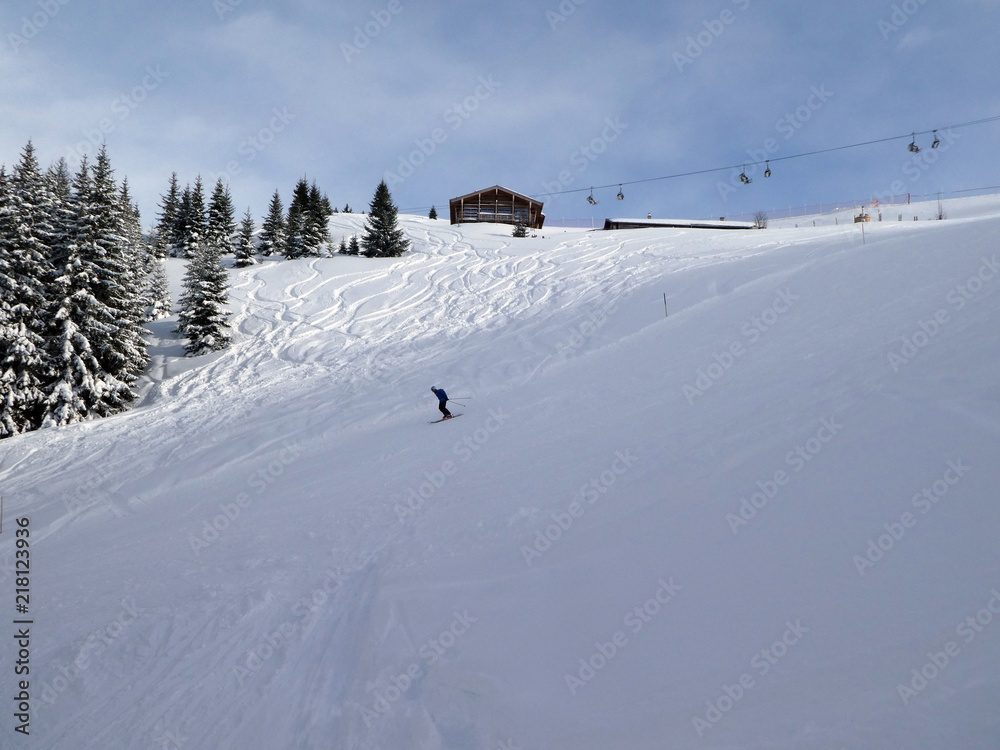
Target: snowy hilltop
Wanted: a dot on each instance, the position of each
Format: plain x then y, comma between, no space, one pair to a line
711,489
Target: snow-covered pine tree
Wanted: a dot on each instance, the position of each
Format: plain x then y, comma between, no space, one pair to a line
26,212
353,247
343,246
166,222
318,221
193,225
221,224
178,231
520,228
159,292
138,253
245,248
433,213
110,239
203,319
272,231
303,238
295,236
149,276
60,182
78,387
383,238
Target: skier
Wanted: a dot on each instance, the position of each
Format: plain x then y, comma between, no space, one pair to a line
442,400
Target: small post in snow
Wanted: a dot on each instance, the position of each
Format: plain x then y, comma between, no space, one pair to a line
665,313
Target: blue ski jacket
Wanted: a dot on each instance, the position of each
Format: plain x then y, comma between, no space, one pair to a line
442,396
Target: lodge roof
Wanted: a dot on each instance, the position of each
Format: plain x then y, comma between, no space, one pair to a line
497,188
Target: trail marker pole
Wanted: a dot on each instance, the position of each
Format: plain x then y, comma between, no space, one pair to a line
665,313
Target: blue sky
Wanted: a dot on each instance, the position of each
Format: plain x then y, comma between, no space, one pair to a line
443,98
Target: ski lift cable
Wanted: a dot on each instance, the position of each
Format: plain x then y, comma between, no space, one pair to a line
697,172
730,167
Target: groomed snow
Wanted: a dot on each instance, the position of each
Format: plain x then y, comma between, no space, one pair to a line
742,525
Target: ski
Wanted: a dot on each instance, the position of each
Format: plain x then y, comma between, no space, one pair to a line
444,418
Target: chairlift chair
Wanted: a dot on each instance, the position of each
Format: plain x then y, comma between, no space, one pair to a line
937,141
767,168
743,176
913,147
590,198
621,195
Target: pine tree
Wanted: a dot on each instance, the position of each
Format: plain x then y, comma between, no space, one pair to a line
303,236
433,214
295,237
192,226
159,292
178,231
383,238
245,248
221,224
520,228
110,240
167,222
317,221
353,247
60,181
78,386
343,246
273,230
203,319
26,212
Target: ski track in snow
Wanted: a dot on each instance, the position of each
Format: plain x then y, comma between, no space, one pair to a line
329,354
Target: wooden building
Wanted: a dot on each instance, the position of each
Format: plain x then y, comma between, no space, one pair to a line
497,205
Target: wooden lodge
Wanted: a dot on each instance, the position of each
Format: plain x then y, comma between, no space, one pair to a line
497,205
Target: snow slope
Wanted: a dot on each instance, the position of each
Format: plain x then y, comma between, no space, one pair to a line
644,532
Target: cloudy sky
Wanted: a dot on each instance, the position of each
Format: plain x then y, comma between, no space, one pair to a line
441,98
